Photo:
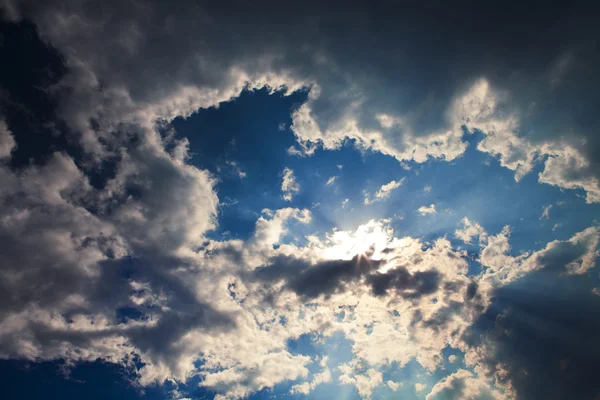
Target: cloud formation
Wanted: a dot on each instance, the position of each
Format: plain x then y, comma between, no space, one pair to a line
289,186
126,266
384,192
424,210
412,123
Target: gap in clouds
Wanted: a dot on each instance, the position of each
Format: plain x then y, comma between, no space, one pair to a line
252,131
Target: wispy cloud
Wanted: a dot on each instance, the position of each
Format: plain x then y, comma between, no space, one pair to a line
384,192
289,186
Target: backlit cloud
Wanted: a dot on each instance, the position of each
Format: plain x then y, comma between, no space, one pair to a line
200,197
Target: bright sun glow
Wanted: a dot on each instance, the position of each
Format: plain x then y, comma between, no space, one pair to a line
370,239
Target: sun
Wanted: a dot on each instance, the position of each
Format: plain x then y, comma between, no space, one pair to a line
369,240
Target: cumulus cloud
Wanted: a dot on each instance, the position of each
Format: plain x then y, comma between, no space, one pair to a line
247,287
463,384
470,230
63,301
289,186
418,122
419,387
324,376
424,210
138,241
364,382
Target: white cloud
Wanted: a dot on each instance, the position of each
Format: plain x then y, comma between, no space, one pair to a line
419,387
424,210
452,358
470,230
242,342
322,377
567,168
394,385
7,142
289,186
465,385
556,226
331,180
364,381
574,256
384,192
546,212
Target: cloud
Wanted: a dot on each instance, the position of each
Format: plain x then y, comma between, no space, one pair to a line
543,332
393,385
424,210
364,382
331,180
51,319
470,230
520,122
137,241
63,300
463,384
419,387
574,256
324,376
556,226
7,142
238,171
329,277
384,192
289,186
546,212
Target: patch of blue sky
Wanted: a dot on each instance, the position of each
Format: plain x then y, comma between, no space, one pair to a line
251,134
89,380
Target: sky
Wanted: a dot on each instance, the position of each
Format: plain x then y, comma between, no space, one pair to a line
260,200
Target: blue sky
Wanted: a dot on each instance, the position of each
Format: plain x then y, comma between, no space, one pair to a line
307,202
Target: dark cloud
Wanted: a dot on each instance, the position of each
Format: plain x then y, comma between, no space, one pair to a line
311,281
409,285
409,59
329,277
541,332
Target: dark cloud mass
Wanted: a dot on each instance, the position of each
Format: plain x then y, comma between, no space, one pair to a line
328,277
538,54
541,333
